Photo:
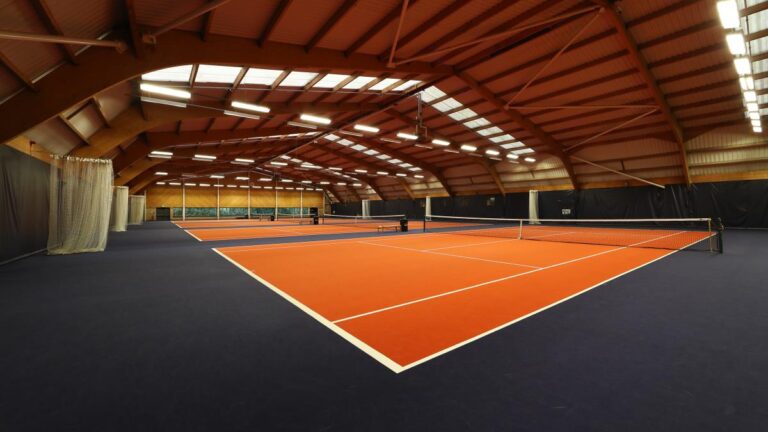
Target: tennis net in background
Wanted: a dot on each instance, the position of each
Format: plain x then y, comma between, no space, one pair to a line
364,222
305,219
672,234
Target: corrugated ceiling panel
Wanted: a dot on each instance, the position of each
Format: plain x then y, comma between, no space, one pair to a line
243,18
467,11
86,18
156,13
299,25
372,12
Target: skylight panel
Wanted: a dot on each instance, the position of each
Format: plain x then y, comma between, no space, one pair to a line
371,152
516,144
297,79
477,123
331,137
490,131
383,156
406,85
261,76
447,105
173,74
395,161
386,82
217,74
330,81
502,138
345,142
358,82
431,93
359,147
463,114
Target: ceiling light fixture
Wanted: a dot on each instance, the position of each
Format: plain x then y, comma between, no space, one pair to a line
364,128
165,91
315,119
250,107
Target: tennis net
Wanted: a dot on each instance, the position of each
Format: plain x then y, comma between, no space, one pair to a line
673,234
302,219
363,222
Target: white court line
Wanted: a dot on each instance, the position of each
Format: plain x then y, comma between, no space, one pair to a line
507,324
471,244
449,255
251,236
447,293
381,358
322,242
193,236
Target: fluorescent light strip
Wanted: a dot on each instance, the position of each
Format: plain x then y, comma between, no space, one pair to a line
364,128
315,119
207,157
729,14
250,107
406,136
241,160
165,91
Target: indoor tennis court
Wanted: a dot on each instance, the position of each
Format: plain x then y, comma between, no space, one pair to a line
383,215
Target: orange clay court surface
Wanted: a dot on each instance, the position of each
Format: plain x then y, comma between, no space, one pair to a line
407,299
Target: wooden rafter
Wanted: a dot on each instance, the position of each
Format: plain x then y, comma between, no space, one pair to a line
16,72
637,58
44,12
139,49
330,23
554,147
273,22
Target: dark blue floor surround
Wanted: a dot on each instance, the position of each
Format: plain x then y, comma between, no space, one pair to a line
161,334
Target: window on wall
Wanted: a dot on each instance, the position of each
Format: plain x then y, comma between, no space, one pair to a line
262,211
201,212
233,212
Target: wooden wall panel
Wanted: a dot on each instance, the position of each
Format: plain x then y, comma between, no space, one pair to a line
201,197
164,197
263,198
233,197
158,196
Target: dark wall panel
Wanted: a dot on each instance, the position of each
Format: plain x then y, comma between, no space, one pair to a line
23,204
739,204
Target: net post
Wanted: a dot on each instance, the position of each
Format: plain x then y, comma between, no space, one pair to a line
709,232
520,231
424,224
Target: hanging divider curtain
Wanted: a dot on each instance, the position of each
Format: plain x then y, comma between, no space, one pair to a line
119,217
533,206
81,203
428,208
136,209
366,208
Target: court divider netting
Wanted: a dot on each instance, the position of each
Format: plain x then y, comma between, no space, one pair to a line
702,234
